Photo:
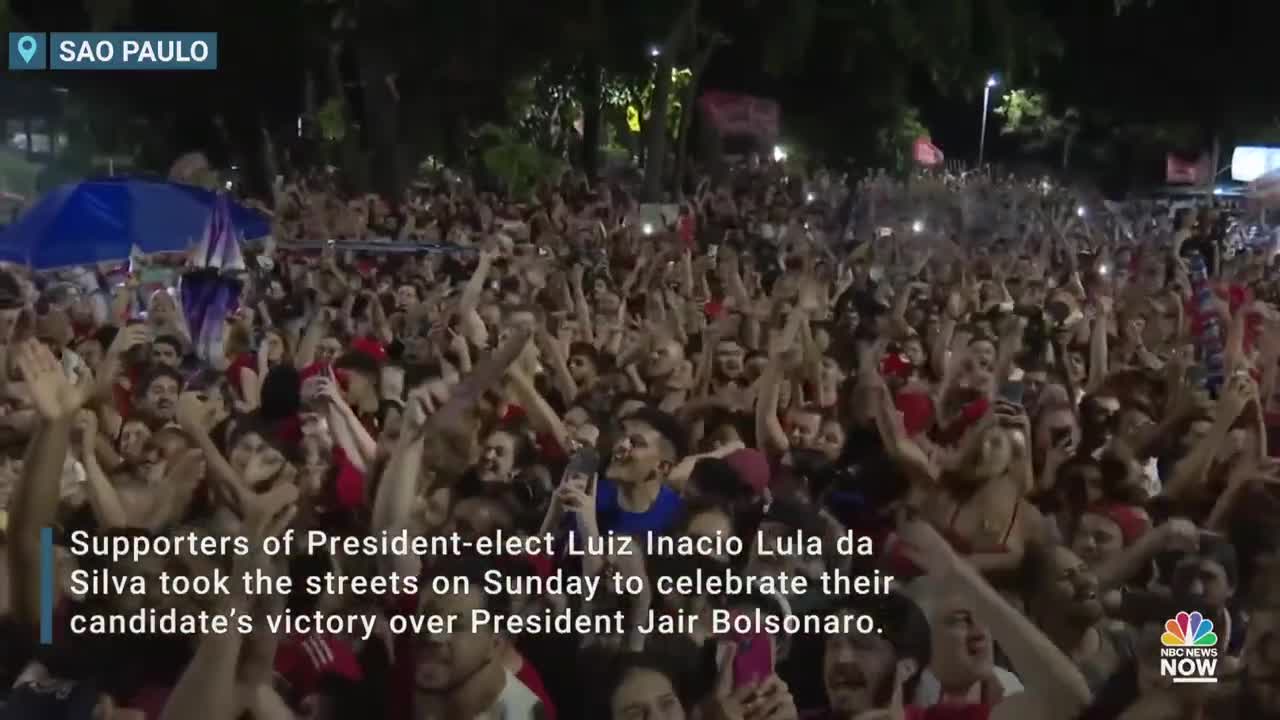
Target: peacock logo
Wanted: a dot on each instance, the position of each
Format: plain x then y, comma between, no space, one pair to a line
1190,652
1189,630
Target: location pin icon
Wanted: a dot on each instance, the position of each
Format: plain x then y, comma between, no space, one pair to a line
26,48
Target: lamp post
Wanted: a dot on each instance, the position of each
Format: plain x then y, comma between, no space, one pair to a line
986,101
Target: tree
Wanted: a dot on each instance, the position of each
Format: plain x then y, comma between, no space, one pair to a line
896,140
1027,115
683,28
519,165
953,41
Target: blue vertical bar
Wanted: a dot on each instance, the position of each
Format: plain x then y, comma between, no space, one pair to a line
46,586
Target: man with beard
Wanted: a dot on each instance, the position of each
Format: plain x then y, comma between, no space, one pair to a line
459,675
159,395
1066,605
633,497
865,672
166,351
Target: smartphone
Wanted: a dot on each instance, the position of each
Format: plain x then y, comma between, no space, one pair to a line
753,663
1012,392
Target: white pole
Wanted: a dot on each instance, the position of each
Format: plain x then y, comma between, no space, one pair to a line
982,139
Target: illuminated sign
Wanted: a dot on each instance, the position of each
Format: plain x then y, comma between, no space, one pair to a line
1248,163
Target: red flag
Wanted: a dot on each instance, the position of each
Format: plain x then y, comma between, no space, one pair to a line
926,153
1180,172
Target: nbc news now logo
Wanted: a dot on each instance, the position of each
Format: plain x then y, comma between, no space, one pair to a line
1190,653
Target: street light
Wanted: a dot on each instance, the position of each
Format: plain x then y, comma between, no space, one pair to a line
992,81
779,153
654,51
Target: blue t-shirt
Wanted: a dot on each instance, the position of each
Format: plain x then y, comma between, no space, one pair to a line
658,518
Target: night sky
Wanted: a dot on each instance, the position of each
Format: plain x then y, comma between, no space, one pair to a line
1206,64
1203,61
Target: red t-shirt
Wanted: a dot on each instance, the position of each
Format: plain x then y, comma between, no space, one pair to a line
970,414
243,361
917,411
349,483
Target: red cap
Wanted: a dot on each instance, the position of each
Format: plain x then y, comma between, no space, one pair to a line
370,347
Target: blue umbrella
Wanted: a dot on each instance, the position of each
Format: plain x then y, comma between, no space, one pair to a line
104,220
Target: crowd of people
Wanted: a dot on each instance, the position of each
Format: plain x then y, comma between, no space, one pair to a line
1050,415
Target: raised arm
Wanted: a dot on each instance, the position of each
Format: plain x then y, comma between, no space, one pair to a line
1098,357
34,504
541,415
1192,470
1055,688
104,499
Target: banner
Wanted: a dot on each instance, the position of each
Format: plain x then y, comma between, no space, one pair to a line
926,153
1181,172
734,114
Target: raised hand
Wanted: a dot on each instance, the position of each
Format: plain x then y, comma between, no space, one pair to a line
130,337
86,427
265,514
190,413
1240,390
327,389
771,700
52,393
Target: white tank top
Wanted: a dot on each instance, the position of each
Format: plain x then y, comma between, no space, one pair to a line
517,702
